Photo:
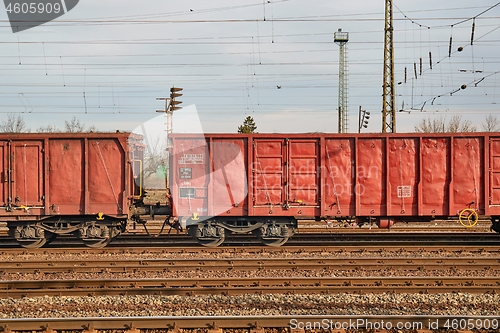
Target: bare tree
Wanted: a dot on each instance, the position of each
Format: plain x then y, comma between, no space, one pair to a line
491,124
155,166
14,124
440,125
155,158
76,126
48,129
457,125
436,125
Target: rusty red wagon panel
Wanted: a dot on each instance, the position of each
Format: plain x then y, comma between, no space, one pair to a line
46,174
396,176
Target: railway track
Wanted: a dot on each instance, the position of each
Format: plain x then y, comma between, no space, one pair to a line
306,279
345,238
242,286
255,249
256,324
230,285
215,264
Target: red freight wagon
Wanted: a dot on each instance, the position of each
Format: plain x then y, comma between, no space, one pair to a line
68,183
266,183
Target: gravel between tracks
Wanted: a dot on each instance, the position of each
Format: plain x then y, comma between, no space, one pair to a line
267,273
335,304
419,253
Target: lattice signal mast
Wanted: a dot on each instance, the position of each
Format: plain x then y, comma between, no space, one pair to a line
388,103
341,38
171,104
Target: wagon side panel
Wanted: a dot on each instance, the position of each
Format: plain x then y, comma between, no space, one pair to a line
371,173
66,176
467,174
3,174
339,186
106,186
27,189
494,176
229,186
285,176
268,175
190,176
436,176
302,185
403,176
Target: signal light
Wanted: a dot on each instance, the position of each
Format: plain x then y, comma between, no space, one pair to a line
363,119
174,93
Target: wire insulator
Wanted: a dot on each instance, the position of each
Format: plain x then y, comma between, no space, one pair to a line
415,69
449,48
430,59
472,32
420,66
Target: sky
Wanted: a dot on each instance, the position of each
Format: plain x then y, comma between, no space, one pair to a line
107,62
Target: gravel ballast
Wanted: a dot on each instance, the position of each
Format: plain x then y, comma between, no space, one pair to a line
263,305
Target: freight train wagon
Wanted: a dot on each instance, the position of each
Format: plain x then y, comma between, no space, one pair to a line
267,183
85,184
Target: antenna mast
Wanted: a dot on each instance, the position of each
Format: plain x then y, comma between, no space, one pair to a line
341,38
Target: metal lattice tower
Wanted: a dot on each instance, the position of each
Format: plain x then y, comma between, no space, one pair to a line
388,109
341,38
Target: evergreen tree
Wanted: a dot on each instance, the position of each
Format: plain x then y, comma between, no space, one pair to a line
248,126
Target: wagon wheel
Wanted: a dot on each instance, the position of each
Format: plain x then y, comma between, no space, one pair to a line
32,243
273,241
30,237
50,237
272,238
468,217
95,235
207,235
210,242
96,243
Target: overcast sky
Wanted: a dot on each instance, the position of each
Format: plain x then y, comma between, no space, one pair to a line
106,62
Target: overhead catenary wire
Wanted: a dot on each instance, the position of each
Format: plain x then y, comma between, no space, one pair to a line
137,74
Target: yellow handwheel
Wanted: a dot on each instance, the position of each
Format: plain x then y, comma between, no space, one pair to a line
468,217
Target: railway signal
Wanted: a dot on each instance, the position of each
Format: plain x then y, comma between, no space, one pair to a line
171,104
363,119
174,93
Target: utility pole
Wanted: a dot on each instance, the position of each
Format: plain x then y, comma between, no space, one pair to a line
341,38
388,103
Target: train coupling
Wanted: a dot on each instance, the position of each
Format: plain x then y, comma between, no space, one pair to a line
151,210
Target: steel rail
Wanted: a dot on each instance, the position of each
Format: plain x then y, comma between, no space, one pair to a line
220,264
249,250
344,238
336,230
240,286
255,324
348,229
